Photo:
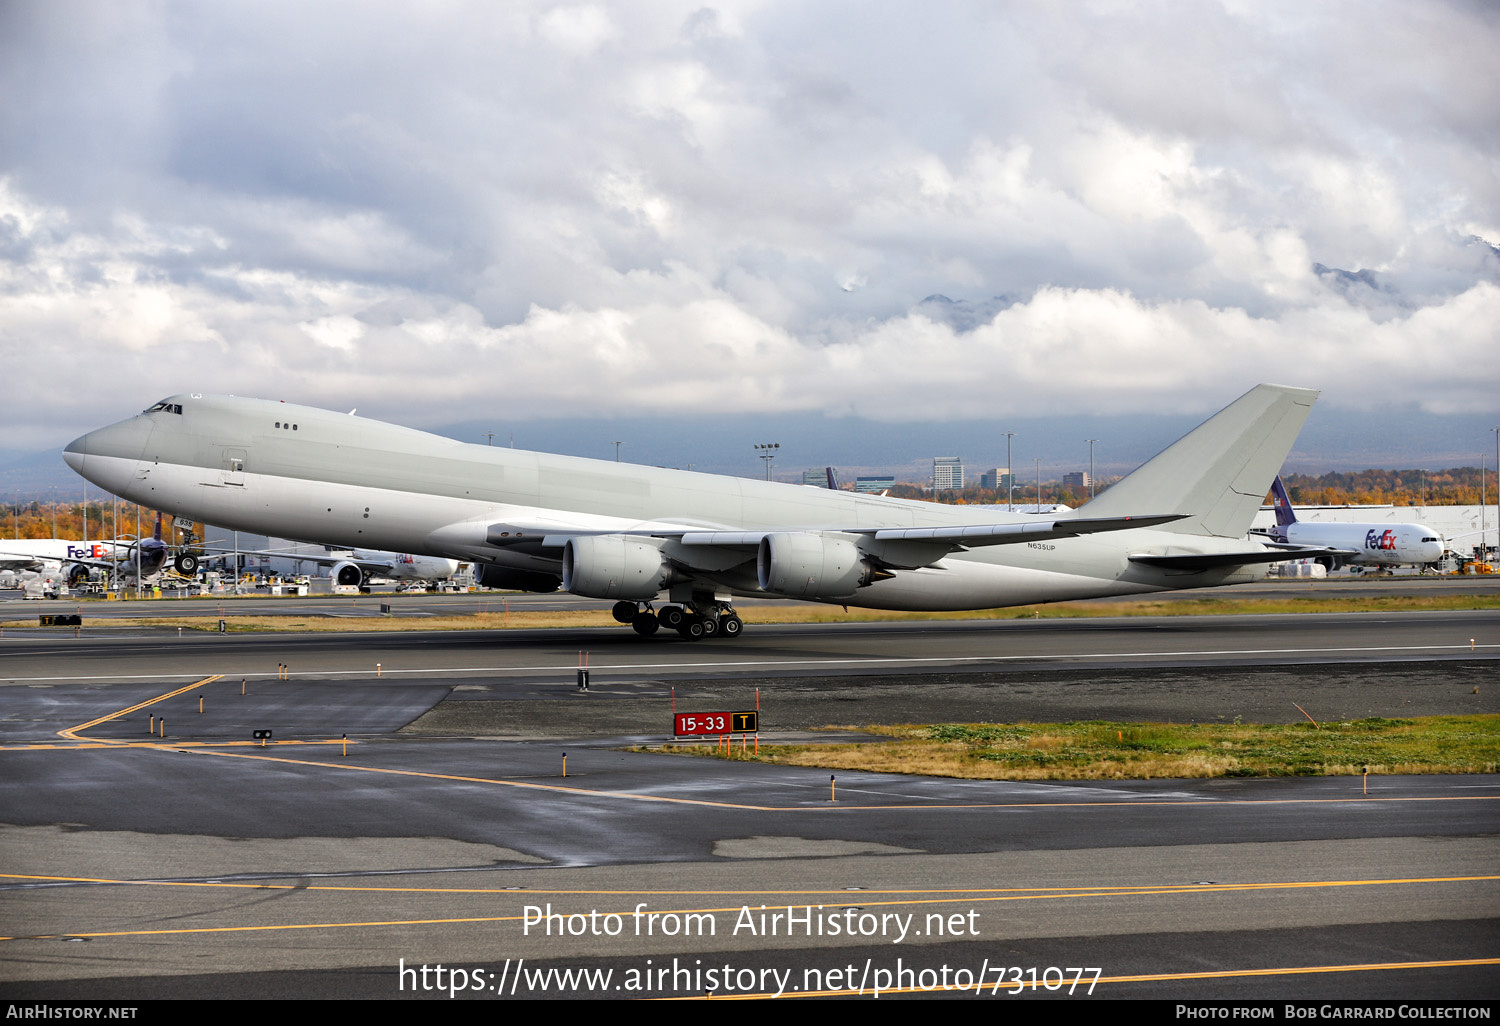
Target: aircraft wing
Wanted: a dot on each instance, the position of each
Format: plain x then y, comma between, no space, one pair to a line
370,567
22,561
954,537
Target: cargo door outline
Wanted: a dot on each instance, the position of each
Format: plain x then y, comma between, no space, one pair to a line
232,469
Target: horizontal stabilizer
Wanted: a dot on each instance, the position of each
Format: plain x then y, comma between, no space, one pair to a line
1214,560
1007,534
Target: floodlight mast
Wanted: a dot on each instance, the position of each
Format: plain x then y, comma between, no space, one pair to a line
767,452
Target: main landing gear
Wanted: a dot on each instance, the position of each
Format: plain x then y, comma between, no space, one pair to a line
715,619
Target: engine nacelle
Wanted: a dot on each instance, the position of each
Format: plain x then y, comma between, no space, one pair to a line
348,574
487,575
614,566
810,565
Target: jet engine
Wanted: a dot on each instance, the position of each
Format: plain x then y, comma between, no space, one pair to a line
487,575
810,565
348,574
614,566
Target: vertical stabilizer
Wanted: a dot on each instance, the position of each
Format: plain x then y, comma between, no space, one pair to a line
1285,515
1218,473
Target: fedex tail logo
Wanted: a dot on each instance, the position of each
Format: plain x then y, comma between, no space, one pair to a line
1384,541
92,551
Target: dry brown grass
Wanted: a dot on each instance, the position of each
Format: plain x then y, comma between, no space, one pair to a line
1135,751
802,613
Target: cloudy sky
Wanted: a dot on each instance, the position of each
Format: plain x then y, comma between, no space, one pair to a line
884,213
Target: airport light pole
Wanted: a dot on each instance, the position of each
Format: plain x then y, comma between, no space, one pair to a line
1496,430
617,451
767,452
1038,461
1091,442
1010,474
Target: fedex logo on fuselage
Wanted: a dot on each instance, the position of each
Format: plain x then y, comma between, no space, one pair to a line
1382,540
92,551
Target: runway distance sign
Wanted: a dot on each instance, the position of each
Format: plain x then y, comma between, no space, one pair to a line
686,724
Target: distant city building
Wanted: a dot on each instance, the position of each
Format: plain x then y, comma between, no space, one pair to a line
947,473
873,485
993,479
815,476
1080,479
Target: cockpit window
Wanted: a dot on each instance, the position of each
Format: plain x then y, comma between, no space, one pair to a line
166,407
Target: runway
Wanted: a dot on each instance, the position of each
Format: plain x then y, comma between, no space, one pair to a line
262,603
141,866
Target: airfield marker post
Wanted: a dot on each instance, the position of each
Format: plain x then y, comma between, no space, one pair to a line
565,764
832,792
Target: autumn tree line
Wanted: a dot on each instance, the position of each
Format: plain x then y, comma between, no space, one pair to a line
1458,486
37,518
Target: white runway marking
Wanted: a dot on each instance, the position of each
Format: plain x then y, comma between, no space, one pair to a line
571,667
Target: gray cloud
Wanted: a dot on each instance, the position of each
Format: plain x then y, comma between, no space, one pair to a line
686,209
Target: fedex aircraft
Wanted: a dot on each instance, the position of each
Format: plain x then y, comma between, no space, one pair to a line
674,548
50,553
1363,544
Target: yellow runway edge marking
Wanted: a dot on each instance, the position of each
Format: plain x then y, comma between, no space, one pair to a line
1018,892
969,897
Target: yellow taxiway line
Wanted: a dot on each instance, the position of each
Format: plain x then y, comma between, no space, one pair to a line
977,896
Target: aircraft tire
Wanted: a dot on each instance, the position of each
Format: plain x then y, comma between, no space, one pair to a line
710,626
691,628
186,564
624,612
645,624
671,616
731,626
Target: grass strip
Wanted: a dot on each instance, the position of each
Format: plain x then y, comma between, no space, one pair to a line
293,621
1099,750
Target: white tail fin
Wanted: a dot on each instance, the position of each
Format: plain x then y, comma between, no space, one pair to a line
1218,473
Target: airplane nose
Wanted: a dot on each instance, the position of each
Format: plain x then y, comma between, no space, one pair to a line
75,451
107,456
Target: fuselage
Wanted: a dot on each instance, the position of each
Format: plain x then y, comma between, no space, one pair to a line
51,553
318,476
1373,544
